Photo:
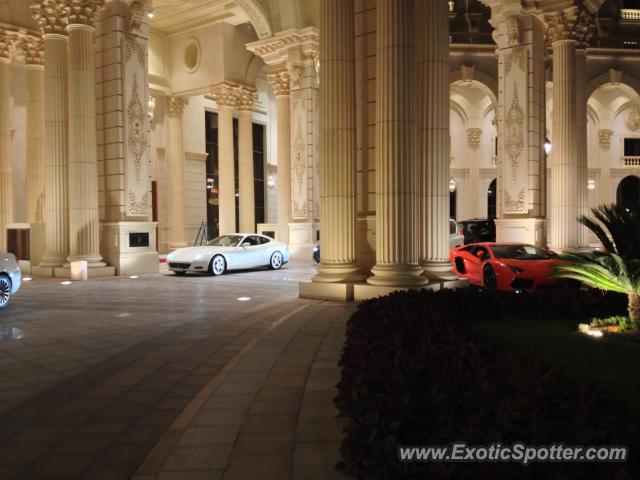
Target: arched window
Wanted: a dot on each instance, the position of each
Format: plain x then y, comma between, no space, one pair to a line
491,199
628,193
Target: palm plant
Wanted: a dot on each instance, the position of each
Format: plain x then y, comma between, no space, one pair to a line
617,268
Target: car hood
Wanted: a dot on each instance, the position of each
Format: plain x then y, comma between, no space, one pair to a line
190,254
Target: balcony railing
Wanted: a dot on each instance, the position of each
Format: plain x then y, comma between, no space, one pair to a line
631,161
630,15
608,42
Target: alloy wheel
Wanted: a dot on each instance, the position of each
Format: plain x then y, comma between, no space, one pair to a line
5,291
276,260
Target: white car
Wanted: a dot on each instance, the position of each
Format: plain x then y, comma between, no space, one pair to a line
10,278
236,251
456,239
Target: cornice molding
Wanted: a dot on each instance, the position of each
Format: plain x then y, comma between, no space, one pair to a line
277,49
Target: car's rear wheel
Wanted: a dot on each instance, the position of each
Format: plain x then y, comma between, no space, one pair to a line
490,281
217,265
276,261
5,291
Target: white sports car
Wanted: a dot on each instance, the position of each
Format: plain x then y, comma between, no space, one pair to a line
237,251
10,278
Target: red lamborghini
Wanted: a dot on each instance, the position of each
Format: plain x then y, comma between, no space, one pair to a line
505,266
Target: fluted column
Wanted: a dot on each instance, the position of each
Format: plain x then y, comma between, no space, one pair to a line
396,246
225,97
34,56
581,138
6,178
280,83
51,15
84,223
337,144
564,162
432,141
246,98
176,235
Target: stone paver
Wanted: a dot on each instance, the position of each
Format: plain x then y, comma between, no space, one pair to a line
96,378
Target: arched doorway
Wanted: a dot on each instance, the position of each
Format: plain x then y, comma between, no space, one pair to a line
491,199
628,193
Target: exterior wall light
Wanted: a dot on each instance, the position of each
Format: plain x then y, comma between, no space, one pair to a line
591,184
547,146
452,185
271,182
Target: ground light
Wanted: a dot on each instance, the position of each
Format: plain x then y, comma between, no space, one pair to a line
66,282
26,279
587,330
133,276
244,299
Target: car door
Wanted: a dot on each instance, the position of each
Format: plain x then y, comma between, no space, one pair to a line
251,252
473,263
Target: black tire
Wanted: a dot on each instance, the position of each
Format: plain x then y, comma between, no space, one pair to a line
5,291
276,261
489,278
179,274
217,266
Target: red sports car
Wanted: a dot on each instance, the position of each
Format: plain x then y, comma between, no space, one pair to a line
506,266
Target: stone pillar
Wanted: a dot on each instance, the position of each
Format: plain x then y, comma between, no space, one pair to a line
280,83
175,174
51,15
338,145
226,98
564,161
34,57
396,229
521,165
581,138
6,160
84,222
246,98
432,141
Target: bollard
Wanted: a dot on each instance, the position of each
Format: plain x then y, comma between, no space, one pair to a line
79,270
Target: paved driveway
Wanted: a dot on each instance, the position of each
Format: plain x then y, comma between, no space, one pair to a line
93,374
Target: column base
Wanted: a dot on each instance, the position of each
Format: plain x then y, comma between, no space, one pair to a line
53,261
522,230
92,272
130,247
395,275
438,270
93,261
302,237
363,291
40,271
326,291
338,273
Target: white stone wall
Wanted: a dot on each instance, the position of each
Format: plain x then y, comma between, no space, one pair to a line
19,96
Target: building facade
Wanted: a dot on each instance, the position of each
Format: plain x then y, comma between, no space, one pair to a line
129,128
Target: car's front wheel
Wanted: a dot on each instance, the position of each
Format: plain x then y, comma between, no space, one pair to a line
490,281
276,261
5,291
217,266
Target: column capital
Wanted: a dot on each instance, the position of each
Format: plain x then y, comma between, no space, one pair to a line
175,105
84,12
279,81
569,24
225,94
31,48
6,41
51,16
246,97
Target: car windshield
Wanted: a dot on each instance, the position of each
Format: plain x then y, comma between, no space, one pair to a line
225,241
521,252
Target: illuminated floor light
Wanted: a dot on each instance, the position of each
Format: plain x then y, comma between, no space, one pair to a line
244,299
595,333
134,276
66,282
26,279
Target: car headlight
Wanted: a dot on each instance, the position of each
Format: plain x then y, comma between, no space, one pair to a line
315,249
515,269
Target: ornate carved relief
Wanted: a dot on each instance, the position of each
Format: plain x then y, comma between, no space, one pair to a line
138,10
279,81
137,129
295,75
51,16
299,166
138,207
515,204
84,12
225,94
32,49
513,30
133,47
5,44
604,137
515,57
473,136
514,131
175,105
633,119
246,97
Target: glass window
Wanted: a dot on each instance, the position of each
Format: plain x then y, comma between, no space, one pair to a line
521,252
225,241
